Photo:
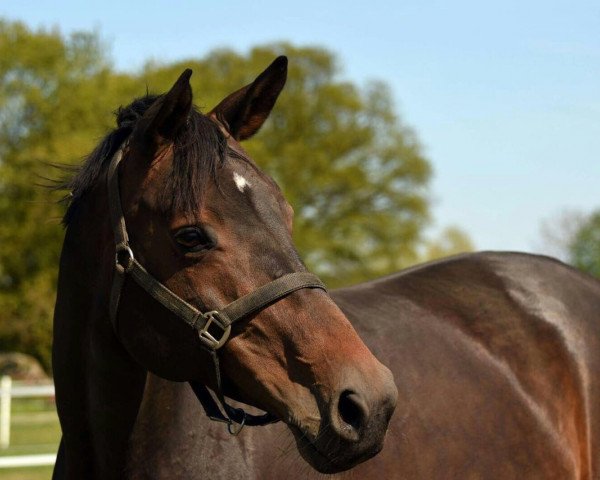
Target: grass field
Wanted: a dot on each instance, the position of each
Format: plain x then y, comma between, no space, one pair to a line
32,473
34,430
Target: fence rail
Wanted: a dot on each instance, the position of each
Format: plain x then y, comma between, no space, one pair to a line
8,391
28,460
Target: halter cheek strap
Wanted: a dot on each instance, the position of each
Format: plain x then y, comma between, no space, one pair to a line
213,327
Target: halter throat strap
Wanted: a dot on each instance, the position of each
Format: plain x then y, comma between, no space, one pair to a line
213,327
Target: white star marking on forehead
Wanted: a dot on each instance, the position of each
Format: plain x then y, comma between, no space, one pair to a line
240,182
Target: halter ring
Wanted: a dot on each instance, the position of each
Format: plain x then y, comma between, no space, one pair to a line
236,431
123,258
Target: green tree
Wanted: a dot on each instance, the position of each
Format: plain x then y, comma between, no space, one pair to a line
557,233
584,247
451,241
54,98
353,172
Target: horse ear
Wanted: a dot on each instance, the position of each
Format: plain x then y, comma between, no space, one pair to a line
243,112
170,111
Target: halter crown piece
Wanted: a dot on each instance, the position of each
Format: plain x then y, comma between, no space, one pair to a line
213,327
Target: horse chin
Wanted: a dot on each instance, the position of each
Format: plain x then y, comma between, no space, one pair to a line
333,462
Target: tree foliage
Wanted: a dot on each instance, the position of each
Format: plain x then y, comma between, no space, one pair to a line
52,93
584,248
451,241
353,172
574,237
557,233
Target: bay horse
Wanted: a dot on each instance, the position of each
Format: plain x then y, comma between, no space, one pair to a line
178,261
496,357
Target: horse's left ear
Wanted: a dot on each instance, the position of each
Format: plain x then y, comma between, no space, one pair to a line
243,112
169,112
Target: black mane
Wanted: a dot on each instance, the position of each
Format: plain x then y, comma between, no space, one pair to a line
199,150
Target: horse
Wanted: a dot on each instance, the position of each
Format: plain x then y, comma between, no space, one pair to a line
496,356
178,263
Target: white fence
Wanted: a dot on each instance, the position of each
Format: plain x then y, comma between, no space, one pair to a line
8,391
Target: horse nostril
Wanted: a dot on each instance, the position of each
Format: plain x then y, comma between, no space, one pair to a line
351,409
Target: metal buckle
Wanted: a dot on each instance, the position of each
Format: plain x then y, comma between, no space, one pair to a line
123,258
214,317
235,431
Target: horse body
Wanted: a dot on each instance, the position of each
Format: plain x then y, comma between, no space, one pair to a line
497,361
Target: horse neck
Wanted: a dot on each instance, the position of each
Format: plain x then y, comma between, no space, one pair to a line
98,385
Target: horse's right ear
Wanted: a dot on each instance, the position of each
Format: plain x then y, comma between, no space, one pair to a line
168,113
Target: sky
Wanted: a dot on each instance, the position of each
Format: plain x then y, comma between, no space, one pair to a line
504,96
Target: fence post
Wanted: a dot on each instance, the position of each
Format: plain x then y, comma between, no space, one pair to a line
5,393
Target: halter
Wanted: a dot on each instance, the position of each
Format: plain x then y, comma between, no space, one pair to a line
213,327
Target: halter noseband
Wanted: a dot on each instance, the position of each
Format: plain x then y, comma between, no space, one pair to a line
203,323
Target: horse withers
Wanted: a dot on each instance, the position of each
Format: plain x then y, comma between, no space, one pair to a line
170,220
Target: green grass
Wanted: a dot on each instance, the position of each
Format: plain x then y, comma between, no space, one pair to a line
39,404
28,473
34,430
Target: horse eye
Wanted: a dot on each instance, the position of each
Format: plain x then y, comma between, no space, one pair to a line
193,239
